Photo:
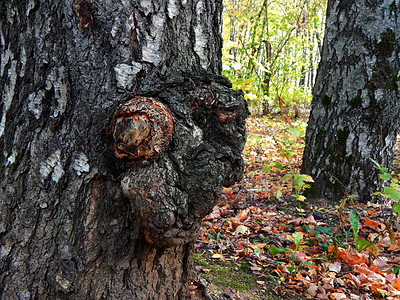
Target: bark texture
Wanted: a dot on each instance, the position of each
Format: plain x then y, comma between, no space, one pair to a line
76,221
355,107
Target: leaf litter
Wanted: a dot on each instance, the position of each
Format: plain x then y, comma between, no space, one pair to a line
310,249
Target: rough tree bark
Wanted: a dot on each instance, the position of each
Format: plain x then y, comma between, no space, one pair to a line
101,198
355,107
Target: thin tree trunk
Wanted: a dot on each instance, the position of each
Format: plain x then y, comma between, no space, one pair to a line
355,108
80,218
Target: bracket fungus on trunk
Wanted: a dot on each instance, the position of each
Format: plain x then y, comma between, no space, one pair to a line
142,129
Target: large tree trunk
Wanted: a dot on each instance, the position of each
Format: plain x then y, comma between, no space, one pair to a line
355,107
100,199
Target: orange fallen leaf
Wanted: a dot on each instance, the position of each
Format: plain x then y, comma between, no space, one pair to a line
396,284
378,289
373,250
281,227
331,249
363,270
371,212
352,257
243,215
354,279
371,223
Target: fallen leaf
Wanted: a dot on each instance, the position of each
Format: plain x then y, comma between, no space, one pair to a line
371,223
394,248
335,267
352,257
337,296
301,256
243,215
296,221
381,265
378,289
396,284
385,242
310,220
281,227
331,249
258,246
216,256
354,279
215,214
241,229
291,237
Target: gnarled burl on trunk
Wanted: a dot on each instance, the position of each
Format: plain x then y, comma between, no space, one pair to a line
179,148
89,215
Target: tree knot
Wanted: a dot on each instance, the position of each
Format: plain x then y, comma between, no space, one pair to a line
142,128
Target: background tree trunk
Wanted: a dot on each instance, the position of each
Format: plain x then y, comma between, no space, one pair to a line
355,107
76,222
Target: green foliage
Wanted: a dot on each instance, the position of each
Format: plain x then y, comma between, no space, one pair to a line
271,49
392,191
360,245
354,225
395,269
293,255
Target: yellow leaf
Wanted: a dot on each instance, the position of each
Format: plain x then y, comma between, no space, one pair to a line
301,198
216,255
290,237
258,246
307,178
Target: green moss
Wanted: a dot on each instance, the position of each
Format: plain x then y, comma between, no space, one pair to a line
355,102
342,135
393,7
200,260
336,183
337,152
326,100
320,134
334,186
383,76
227,274
387,44
239,280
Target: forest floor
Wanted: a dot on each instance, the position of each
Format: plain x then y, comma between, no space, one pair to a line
260,242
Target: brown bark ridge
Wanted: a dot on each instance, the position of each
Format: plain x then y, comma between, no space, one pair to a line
355,107
78,221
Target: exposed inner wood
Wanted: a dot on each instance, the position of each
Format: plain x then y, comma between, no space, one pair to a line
142,129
